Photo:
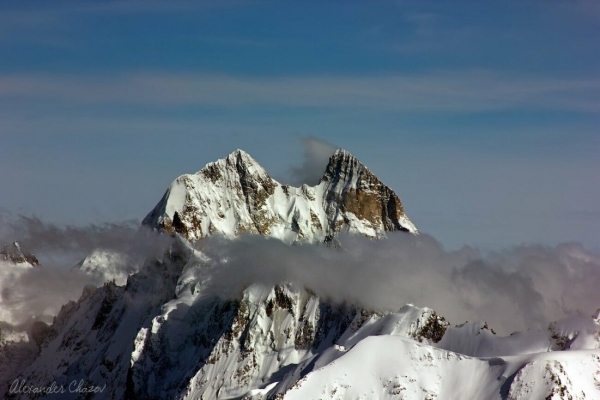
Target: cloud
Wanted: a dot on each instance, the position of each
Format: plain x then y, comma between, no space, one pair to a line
63,246
52,24
440,91
512,290
28,294
316,156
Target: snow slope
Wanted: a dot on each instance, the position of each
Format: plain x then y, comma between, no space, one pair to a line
393,367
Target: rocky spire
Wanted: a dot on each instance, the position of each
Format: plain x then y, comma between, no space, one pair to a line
343,166
351,188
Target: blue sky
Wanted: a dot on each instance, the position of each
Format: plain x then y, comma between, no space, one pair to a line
483,116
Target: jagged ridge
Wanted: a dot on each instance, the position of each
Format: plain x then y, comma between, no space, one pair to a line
236,195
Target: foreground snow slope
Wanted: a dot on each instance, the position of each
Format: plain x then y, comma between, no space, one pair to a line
392,367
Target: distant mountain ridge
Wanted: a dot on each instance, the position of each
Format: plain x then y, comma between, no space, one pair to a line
236,195
15,254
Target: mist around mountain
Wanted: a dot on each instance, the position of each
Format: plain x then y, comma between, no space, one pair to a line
238,286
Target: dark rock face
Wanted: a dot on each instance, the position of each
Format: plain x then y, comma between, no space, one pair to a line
434,329
353,188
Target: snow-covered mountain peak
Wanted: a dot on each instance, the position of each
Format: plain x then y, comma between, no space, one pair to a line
241,162
342,165
235,194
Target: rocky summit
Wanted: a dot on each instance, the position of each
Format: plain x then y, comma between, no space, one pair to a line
236,195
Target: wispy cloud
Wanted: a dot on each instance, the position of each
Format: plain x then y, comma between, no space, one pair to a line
316,156
580,8
514,289
63,246
27,294
58,9
52,23
34,26
465,91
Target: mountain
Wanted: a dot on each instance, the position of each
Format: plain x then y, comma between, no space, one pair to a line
236,195
165,334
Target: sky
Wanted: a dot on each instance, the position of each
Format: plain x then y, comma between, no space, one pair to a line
484,117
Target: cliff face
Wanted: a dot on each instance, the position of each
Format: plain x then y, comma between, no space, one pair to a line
353,192
236,195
